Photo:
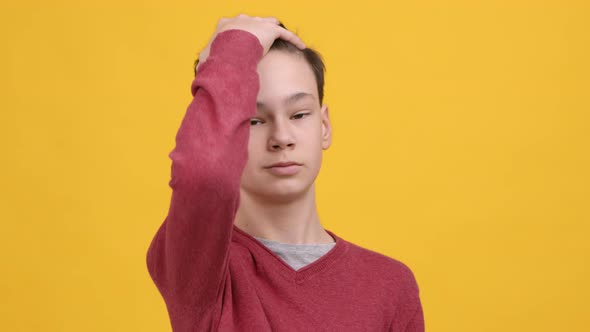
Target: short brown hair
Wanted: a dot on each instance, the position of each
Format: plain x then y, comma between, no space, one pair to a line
311,56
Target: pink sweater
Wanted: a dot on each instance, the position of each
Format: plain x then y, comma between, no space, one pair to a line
212,275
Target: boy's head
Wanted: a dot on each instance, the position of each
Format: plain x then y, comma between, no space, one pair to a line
292,125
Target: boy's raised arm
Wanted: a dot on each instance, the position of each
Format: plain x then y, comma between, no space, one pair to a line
188,256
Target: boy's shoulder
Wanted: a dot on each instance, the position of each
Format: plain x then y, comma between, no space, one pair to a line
380,264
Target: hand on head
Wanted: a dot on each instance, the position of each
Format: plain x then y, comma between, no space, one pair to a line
266,29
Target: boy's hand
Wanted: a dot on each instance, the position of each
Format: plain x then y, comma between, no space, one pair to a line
266,29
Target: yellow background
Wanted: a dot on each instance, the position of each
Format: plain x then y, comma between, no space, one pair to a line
461,147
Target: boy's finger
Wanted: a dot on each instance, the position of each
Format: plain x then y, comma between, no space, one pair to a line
291,37
271,19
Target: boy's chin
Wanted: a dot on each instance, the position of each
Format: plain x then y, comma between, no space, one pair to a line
278,193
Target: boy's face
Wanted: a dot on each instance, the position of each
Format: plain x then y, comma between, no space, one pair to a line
290,126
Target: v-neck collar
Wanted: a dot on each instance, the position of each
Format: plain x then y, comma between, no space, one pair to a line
285,269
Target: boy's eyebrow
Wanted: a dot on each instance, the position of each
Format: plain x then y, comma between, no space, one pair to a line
291,99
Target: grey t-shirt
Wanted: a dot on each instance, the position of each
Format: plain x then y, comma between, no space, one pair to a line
297,255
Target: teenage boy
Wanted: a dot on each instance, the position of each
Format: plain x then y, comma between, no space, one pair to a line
242,247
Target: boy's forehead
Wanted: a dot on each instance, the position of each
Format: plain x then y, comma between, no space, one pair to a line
285,79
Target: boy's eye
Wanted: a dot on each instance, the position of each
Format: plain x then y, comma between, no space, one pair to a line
300,115
254,122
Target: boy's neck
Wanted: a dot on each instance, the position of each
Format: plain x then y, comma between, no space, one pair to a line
294,222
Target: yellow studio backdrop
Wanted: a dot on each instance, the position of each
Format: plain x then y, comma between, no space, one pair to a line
461,147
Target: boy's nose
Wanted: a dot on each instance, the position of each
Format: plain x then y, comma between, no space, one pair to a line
281,138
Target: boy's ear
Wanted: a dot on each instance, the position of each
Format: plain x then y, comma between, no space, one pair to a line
326,127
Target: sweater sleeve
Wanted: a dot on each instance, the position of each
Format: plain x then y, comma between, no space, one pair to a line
188,257
410,316
416,324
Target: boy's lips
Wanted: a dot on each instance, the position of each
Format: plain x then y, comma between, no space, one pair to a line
284,164
284,168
